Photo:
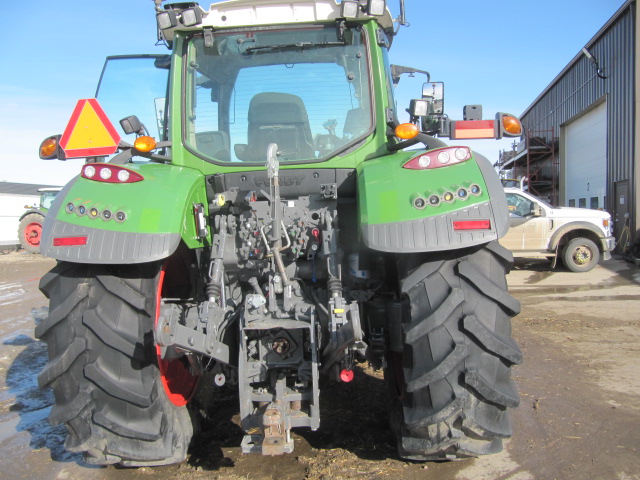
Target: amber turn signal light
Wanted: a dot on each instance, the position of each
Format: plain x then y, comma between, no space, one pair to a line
145,144
511,125
50,148
407,131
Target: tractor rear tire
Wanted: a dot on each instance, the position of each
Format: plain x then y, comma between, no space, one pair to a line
104,368
450,380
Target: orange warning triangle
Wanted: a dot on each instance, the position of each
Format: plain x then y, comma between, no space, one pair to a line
89,132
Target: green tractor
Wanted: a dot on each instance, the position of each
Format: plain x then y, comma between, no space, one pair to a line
279,230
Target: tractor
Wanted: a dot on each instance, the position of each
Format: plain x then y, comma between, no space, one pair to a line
265,222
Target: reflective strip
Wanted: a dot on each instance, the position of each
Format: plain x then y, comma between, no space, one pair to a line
69,241
472,225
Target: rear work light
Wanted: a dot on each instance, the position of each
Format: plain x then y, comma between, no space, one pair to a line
440,157
102,172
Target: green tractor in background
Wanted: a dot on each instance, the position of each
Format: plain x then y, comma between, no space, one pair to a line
30,226
278,231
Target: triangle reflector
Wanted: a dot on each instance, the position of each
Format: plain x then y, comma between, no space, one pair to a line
89,132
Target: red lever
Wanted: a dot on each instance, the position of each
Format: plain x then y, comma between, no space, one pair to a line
346,375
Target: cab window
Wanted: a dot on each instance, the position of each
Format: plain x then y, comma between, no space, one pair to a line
519,206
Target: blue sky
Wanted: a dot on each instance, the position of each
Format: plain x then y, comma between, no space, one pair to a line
497,53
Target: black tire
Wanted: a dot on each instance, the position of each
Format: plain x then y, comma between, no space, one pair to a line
580,255
451,383
30,232
103,366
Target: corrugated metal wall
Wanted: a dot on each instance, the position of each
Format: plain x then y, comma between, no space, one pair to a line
578,88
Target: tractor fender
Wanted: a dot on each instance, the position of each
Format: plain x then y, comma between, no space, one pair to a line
391,222
109,223
499,203
30,211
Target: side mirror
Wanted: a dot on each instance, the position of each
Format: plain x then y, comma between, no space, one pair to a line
434,92
131,125
536,211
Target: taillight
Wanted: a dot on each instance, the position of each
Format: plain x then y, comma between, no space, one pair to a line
102,172
440,157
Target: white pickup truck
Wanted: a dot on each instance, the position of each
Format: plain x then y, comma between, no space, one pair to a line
579,236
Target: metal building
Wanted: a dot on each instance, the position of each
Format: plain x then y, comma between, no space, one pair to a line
582,133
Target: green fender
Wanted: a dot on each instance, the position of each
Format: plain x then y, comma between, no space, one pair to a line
396,215
121,223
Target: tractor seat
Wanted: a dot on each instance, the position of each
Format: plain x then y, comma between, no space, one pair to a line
279,118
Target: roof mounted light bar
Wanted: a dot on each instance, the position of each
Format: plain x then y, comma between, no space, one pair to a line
189,14
171,17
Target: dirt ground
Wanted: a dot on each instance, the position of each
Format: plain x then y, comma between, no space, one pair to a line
579,415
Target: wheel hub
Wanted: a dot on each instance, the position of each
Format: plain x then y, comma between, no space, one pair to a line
32,234
582,255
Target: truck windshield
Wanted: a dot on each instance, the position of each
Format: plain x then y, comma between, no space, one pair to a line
306,90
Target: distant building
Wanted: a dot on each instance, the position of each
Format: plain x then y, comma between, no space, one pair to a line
582,134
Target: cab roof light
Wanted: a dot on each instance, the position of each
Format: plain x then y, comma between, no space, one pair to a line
167,19
440,157
376,7
350,8
102,172
191,17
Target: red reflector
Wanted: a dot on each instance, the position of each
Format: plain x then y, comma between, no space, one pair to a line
472,225
346,375
473,129
69,241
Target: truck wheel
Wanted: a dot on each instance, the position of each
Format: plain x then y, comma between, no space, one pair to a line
451,381
120,404
580,255
30,232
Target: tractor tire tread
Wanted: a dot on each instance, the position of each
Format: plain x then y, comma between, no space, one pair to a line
457,355
103,368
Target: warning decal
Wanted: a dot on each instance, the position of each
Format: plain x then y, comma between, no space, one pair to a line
89,133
